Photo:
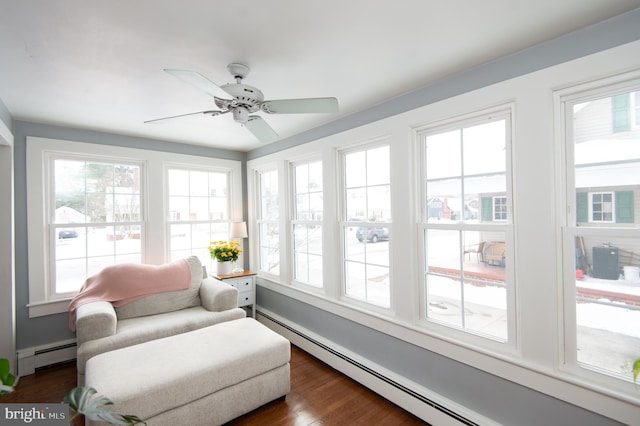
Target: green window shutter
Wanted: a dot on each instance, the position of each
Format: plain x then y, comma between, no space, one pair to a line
582,207
621,113
624,207
486,205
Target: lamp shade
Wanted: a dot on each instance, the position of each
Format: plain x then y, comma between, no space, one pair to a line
239,230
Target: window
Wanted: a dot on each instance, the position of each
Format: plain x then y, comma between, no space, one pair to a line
467,228
268,224
96,219
92,205
601,206
602,234
198,211
499,208
367,225
307,223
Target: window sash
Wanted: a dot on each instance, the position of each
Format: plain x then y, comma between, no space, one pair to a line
493,222
268,223
198,211
366,195
306,224
593,218
98,242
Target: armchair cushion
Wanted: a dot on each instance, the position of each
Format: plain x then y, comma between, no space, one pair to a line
168,301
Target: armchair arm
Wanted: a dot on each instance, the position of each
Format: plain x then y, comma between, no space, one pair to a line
217,296
95,320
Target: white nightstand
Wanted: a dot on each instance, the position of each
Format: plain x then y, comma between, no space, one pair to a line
245,282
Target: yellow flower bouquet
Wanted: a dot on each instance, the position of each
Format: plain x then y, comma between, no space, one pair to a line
225,251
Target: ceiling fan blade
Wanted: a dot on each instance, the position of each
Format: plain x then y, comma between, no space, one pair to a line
261,129
199,81
191,114
300,106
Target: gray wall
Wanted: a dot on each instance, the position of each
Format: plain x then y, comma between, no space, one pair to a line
42,330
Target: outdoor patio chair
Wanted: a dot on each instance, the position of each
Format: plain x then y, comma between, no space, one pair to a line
478,249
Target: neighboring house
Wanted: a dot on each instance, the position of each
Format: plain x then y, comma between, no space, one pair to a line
66,214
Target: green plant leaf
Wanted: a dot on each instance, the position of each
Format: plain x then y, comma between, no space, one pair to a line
88,402
636,369
7,380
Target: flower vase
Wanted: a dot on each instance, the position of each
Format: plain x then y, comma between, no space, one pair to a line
224,268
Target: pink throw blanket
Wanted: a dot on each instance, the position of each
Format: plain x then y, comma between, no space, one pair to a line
126,282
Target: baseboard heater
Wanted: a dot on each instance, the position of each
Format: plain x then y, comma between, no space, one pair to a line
30,359
433,404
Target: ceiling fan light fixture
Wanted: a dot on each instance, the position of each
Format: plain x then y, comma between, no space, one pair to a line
241,115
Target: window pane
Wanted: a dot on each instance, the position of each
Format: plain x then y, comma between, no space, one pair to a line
484,148
378,166
607,313
88,193
355,165
606,171
200,198
443,155
268,222
367,195
269,252
269,209
307,244
308,254
470,294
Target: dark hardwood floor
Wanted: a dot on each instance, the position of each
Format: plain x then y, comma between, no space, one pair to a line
319,395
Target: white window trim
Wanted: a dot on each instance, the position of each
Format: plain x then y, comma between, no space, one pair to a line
154,248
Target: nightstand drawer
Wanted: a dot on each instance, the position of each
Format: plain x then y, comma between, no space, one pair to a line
245,298
242,284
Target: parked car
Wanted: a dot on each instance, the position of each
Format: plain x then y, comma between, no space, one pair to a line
67,233
372,234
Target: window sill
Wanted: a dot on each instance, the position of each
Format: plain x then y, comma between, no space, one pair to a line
51,307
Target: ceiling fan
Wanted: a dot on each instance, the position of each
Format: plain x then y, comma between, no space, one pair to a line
242,100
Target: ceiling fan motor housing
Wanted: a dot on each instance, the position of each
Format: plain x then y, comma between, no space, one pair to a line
245,96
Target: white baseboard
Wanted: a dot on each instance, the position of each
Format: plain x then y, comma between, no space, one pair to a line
418,400
29,359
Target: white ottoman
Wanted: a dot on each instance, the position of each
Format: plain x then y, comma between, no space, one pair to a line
204,377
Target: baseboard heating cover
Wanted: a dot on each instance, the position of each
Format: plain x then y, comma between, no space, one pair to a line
414,398
29,359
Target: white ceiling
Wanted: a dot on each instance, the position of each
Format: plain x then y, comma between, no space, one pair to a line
99,64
